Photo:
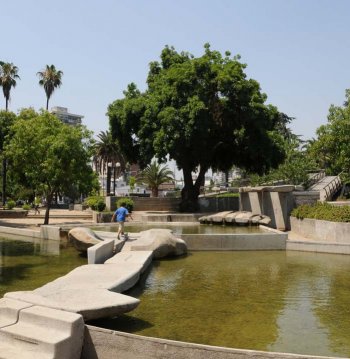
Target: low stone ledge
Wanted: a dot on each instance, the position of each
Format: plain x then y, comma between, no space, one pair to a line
104,343
322,231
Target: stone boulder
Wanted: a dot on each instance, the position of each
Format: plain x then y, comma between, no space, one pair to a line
162,242
83,238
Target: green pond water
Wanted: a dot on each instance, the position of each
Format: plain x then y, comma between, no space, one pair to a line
28,265
184,228
274,301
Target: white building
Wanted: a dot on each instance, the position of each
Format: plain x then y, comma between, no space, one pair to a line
66,117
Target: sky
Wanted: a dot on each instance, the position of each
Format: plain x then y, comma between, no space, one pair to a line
298,50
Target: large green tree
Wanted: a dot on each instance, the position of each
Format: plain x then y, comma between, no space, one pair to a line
50,79
6,121
202,112
331,148
51,156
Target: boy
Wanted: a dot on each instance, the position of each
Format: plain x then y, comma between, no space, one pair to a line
119,216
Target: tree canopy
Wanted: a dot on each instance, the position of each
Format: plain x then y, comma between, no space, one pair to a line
202,112
50,79
8,77
155,175
331,149
49,156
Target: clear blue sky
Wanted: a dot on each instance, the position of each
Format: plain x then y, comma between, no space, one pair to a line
298,50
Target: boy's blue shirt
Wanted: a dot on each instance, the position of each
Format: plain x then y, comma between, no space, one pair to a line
121,214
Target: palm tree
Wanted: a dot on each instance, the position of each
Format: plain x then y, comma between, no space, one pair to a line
50,78
8,77
107,156
154,175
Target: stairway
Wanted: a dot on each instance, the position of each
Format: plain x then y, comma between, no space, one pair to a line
35,332
327,186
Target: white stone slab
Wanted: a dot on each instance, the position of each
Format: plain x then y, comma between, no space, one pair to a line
9,310
114,277
48,332
91,304
141,258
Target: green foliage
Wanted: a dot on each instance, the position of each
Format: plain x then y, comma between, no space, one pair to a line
26,207
293,170
96,203
227,195
50,79
331,149
10,204
202,112
8,77
132,182
154,175
49,156
323,211
127,203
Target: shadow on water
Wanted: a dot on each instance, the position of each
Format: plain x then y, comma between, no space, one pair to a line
123,323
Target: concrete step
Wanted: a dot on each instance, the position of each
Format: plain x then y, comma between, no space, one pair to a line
45,333
140,258
9,311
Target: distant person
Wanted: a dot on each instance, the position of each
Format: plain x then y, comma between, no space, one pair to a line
120,216
36,209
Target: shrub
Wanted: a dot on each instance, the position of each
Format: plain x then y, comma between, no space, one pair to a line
10,204
26,207
128,203
96,203
323,211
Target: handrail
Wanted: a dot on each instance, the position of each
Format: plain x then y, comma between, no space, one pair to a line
315,178
331,188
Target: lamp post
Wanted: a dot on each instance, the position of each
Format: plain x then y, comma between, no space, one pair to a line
116,169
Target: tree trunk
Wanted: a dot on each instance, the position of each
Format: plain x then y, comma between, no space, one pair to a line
47,104
47,212
155,192
7,104
4,174
191,191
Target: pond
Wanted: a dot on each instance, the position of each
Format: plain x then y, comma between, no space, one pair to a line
26,265
268,300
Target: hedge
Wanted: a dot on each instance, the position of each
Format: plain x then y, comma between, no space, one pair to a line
323,211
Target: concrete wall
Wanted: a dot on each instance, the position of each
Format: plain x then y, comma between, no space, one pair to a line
105,344
305,197
218,204
236,242
13,213
322,231
146,204
276,205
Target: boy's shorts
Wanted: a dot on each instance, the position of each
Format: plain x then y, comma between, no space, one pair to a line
121,226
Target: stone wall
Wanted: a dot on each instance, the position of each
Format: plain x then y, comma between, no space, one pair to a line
147,203
104,343
12,213
218,204
305,197
322,231
274,201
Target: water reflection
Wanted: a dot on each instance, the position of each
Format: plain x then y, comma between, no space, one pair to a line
280,301
29,264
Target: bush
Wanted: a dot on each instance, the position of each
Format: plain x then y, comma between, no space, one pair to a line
96,203
128,203
10,204
323,211
26,207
